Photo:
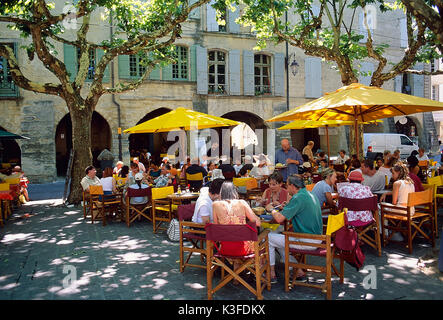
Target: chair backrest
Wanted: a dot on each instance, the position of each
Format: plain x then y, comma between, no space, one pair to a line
194,177
120,181
316,178
423,163
136,192
358,204
435,180
185,211
4,186
239,182
12,180
251,184
95,190
418,198
231,232
163,192
309,187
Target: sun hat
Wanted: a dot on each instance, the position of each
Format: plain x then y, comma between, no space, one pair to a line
355,176
138,176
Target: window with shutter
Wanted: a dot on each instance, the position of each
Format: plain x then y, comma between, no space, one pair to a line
262,74
92,63
217,72
180,67
313,83
7,85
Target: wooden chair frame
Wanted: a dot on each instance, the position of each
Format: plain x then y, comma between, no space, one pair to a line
107,204
435,183
328,252
194,177
161,209
134,211
405,222
251,263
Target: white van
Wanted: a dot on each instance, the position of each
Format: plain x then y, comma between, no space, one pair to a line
379,142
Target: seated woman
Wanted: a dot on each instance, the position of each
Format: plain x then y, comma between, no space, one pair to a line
355,165
275,195
138,185
230,210
323,190
403,185
355,190
108,182
414,170
379,163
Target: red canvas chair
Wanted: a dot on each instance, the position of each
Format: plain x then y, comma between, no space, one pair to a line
368,232
193,232
251,262
134,211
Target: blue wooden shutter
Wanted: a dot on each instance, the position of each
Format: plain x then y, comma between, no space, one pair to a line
70,59
418,82
100,54
234,72
248,73
193,54
233,27
403,33
313,84
202,70
123,67
279,74
398,83
211,17
366,67
194,14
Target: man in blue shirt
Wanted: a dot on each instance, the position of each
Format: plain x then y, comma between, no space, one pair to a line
289,156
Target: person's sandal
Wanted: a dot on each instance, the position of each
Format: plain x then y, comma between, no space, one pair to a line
274,280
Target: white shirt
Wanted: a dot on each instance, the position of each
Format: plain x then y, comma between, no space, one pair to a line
341,160
386,172
203,206
259,172
107,183
424,157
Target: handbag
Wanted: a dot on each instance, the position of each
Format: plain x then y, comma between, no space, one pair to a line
174,230
346,241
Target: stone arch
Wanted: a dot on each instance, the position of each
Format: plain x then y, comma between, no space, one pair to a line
412,128
154,143
100,139
255,122
10,151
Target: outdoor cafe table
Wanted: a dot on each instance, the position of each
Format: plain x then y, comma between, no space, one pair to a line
183,197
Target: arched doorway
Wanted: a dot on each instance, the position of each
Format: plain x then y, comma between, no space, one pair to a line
100,139
10,151
255,123
301,137
408,127
154,143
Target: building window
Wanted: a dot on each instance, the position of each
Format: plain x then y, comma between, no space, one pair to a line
180,67
217,72
434,93
262,74
91,68
7,85
136,69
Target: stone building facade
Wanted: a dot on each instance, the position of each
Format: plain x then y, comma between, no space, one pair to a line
218,72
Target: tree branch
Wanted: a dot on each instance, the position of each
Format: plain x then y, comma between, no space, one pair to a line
21,80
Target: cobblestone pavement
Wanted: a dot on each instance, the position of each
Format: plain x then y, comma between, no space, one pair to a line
43,242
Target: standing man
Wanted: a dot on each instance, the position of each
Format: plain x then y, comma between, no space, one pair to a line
308,151
289,156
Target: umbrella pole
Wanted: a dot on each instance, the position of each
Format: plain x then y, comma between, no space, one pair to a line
327,142
356,136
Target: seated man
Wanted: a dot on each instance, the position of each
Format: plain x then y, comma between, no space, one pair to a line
193,169
374,179
227,169
261,170
304,211
139,184
342,157
164,179
90,179
203,206
355,190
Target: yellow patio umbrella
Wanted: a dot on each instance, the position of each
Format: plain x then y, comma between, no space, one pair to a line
181,119
359,103
303,124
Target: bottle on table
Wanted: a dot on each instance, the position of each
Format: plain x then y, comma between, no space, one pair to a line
187,188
